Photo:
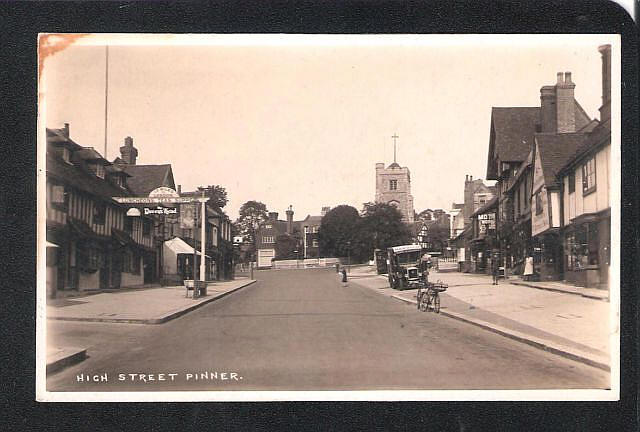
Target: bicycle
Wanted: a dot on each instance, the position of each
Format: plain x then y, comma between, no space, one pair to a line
429,296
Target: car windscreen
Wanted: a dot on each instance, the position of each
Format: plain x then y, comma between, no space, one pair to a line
408,257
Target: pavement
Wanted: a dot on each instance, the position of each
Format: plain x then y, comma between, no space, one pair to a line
551,316
153,305
303,330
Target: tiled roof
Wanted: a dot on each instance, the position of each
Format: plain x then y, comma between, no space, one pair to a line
488,206
600,135
514,129
145,178
82,180
556,150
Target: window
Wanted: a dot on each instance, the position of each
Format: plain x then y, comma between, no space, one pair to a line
267,239
538,203
314,229
315,243
393,184
97,169
572,182
146,227
59,198
267,227
99,212
66,155
89,258
589,176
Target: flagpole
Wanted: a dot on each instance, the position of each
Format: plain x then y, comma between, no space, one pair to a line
106,97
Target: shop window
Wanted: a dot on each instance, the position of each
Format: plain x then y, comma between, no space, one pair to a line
582,247
538,203
572,182
90,258
393,184
589,176
99,212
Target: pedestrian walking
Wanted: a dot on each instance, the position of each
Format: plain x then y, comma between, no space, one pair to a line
495,270
344,277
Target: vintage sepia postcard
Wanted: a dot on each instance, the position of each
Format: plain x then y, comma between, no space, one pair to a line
328,217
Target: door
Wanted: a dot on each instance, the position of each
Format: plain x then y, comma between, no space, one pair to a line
265,256
116,268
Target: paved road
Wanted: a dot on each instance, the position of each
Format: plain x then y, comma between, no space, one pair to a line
301,330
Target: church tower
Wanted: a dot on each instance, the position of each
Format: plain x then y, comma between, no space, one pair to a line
393,186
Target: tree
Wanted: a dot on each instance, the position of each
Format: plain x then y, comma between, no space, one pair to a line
286,247
217,195
252,213
380,227
337,231
438,236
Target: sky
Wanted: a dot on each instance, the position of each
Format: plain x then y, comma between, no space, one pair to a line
302,120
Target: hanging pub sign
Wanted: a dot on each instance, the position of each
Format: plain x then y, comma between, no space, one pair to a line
187,215
160,210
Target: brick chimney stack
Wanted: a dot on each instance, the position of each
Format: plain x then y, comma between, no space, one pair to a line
605,109
548,109
65,130
289,220
128,152
565,104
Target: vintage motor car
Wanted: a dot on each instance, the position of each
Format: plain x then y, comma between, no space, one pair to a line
403,266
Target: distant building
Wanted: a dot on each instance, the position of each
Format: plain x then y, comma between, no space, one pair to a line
393,186
304,232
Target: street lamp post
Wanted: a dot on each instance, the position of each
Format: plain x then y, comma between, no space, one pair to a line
349,256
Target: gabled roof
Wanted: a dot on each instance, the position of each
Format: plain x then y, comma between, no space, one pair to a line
493,203
78,178
555,150
514,128
394,165
145,178
601,135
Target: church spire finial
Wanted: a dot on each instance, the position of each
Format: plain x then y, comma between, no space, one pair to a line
395,137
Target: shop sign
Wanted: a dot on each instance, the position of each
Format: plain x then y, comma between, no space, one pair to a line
159,210
187,216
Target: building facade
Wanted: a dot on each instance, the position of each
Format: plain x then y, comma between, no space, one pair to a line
96,245
393,186
585,181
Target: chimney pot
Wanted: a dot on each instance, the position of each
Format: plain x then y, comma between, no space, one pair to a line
128,141
66,130
179,188
560,78
567,77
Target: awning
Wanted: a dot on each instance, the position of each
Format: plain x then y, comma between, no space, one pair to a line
180,246
49,244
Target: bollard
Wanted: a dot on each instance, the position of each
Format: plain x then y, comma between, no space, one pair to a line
251,266
337,268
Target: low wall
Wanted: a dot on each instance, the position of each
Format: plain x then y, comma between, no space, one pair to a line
308,263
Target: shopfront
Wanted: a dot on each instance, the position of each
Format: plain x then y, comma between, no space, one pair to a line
587,250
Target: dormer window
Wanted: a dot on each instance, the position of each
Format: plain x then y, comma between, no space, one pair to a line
66,155
100,170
